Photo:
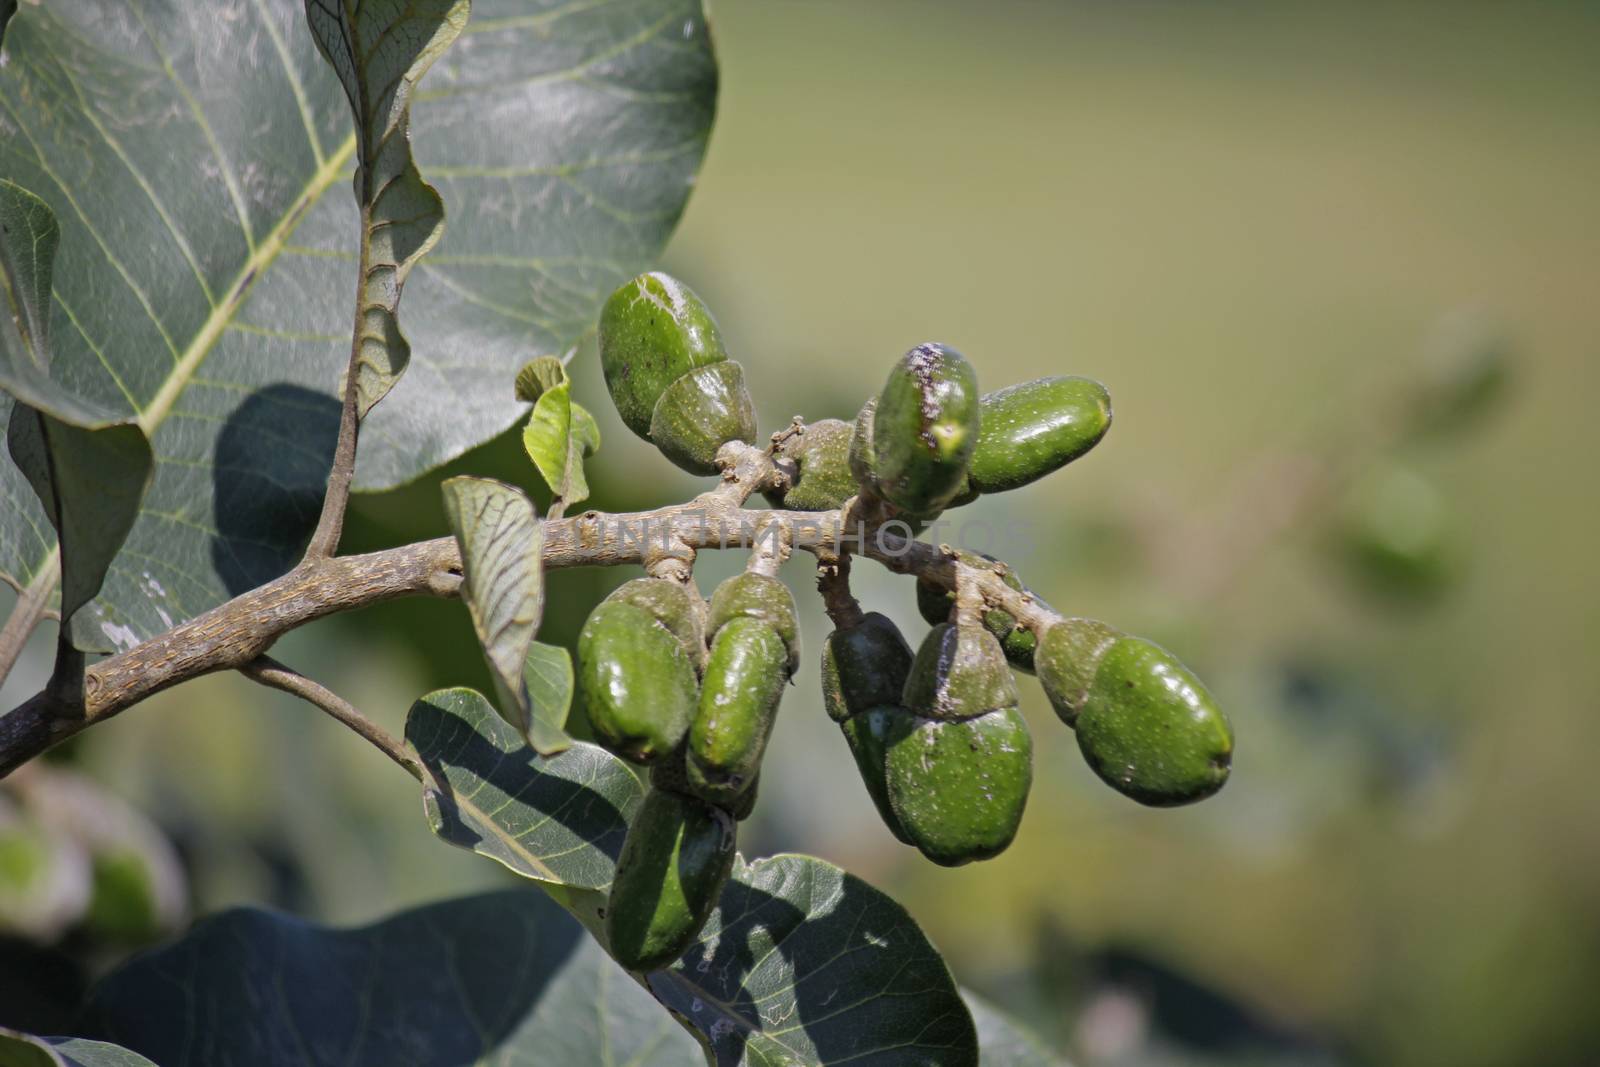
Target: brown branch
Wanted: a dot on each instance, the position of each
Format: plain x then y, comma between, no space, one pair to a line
33,604
232,636
269,672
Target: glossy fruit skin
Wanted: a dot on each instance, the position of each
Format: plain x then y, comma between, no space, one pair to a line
864,666
636,681
1145,723
673,606
959,672
821,455
960,764
675,859
925,428
1033,428
869,733
744,681
669,374
935,603
699,413
757,596
958,787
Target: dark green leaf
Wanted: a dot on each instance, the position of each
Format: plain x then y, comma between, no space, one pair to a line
556,819
189,148
504,978
87,466
803,963
1003,1042
502,546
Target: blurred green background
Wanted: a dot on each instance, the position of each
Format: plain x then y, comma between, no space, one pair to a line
1256,223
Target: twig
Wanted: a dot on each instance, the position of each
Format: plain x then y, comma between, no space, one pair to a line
330,523
31,607
269,672
234,634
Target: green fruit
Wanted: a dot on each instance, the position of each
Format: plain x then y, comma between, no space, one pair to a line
863,666
676,857
959,673
869,733
636,681
1145,724
701,412
935,603
672,774
1031,429
668,373
959,787
925,428
756,596
863,458
821,455
744,682
673,606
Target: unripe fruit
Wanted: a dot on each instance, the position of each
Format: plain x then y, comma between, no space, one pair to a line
1145,724
935,603
869,734
959,673
636,681
672,773
756,596
668,373
863,457
821,455
925,428
673,606
744,681
1033,428
958,772
959,787
864,669
675,859
864,666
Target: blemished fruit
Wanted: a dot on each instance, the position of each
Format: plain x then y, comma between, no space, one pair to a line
925,428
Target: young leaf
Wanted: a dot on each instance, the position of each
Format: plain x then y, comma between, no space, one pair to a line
504,978
558,819
87,465
547,673
380,50
502,545
559,433
205,278
804,963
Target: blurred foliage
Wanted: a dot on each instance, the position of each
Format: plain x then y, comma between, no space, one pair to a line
1249,220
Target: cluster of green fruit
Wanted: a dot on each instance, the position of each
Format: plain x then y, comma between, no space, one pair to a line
692,690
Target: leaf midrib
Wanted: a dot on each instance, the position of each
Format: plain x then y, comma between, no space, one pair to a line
256,264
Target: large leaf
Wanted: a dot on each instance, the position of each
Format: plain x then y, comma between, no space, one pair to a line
23,1050
557,819
502,564
804,963
87,465
506,978
198,154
